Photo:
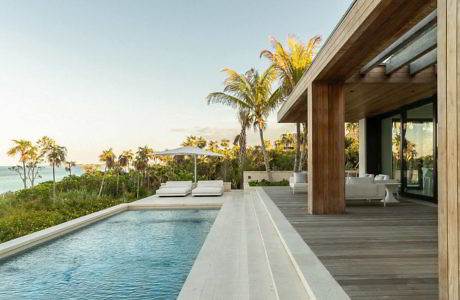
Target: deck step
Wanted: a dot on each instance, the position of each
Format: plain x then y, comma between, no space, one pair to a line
287,281
261,285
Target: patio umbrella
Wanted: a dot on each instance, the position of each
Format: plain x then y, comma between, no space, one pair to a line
191,151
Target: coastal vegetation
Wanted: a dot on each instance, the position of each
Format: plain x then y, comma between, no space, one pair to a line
132,175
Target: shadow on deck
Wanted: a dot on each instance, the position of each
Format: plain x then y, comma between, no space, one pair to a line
373,252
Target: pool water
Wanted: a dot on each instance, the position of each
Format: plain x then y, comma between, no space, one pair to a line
133,255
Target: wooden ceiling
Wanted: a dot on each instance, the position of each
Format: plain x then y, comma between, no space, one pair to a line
377,93
369,28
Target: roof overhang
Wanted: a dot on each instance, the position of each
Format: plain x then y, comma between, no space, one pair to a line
368,28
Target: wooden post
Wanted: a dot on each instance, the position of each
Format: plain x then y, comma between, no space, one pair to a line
326,157
448,139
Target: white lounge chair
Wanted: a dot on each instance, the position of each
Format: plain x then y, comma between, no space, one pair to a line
209,188
175,188
363,188
298,182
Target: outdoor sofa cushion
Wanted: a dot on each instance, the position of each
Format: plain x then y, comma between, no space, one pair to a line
363,188
175,188
300,177
209,188
298,182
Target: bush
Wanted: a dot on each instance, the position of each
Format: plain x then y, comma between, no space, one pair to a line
264,182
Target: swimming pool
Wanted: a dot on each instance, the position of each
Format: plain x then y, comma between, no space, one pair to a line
144,254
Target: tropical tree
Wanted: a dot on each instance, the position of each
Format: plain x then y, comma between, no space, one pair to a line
55,155
194,141
290,64
252,92
245,120
69,166
24,149
108,158
141,162
125,158
33,166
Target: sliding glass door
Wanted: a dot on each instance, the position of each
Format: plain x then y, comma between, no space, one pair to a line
419,173
408,150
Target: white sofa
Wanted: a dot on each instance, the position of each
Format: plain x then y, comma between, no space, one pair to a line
175,188
363,188
209,188
298,182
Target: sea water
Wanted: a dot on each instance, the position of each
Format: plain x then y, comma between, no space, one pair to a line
10,180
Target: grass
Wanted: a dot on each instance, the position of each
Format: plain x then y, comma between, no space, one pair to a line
33,209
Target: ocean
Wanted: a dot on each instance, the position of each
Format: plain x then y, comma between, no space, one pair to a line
10,180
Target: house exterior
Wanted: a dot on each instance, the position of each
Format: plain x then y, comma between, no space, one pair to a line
392,66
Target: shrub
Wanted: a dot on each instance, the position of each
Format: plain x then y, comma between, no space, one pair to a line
264,182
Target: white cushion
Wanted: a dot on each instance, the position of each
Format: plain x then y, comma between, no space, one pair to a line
173,191
208,190
360,180
210,183
178,184
300,177
381,177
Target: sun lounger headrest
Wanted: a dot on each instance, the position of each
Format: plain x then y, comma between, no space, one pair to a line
178,183
217,183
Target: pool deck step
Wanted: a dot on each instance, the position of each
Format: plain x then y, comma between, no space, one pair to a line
287,281
232,262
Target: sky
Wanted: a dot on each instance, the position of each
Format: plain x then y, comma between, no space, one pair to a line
95,74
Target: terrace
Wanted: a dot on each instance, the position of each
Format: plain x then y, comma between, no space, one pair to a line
371,251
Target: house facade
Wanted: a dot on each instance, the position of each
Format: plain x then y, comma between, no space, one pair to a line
392,66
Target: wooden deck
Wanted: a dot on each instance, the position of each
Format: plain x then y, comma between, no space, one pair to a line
374,252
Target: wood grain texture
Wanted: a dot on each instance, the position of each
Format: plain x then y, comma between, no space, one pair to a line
448,148
326,157
374,252
359,38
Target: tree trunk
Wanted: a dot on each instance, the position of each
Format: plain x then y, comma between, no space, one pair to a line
54,185
138,179
118,176
242,155
297,149
25,177
102,185
304,154
266,161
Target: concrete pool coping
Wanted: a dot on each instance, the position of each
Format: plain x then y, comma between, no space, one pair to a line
251,251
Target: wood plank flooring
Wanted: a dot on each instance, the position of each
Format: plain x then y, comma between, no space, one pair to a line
374,252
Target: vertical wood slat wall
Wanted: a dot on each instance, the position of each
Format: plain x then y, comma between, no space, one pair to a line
326,157
448,137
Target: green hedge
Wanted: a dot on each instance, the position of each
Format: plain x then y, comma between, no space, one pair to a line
264,182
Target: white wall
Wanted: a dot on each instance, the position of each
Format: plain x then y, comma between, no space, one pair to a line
362,147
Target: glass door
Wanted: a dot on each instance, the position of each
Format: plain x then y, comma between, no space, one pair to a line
419,170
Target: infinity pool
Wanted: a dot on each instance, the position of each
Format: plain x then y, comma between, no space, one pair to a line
133,255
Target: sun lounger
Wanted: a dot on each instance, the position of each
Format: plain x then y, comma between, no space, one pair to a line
209,188
175,188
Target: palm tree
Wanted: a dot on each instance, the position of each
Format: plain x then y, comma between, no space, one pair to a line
244,118
70,164
107,157
56,156
141,162
289,66
194,141
252,92
24,149
125,158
